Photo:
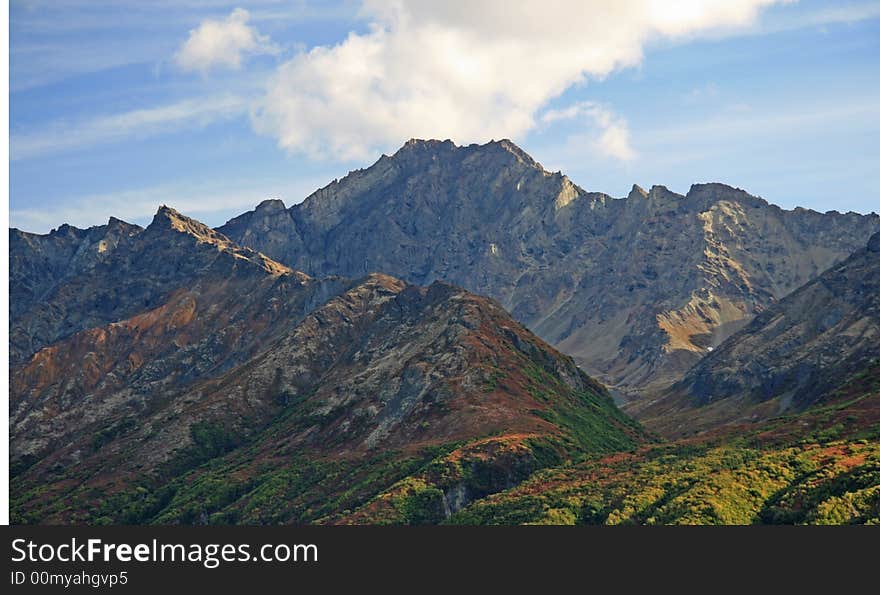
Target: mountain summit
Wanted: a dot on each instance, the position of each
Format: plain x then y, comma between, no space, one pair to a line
636,289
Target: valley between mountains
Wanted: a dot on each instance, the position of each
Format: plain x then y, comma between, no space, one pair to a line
451,335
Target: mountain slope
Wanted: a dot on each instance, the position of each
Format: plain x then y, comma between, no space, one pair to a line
817,466
636,289
37,262
79,279
277,389
198,305
792,355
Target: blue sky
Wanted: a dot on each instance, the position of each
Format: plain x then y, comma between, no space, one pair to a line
211,106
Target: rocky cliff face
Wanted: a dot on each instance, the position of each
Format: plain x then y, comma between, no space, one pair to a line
38,262
792,355
636,289
72,280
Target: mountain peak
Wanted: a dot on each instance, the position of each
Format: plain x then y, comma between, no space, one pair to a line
118,224
167,218
714,191
660,195
66,229
512,148
416,145
271,205
637,192
422,144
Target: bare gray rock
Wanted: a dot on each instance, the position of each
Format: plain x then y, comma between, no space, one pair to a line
809,343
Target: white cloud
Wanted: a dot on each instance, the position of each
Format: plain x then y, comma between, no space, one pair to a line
222,43
611,136
64,136
467,70
565,113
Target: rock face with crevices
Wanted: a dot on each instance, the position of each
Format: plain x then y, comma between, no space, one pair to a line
71,280
791,356
38,262
637,289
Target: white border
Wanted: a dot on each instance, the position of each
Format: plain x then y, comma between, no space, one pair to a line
4,266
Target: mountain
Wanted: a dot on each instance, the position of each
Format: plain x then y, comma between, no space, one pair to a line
170,374
637,289
178,303
72,280
233,389
37,262
795,354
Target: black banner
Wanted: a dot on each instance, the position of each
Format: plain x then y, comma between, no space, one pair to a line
152,559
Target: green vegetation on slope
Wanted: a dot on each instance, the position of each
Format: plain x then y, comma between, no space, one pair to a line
834,483
821,466
818,467
591,423
230,477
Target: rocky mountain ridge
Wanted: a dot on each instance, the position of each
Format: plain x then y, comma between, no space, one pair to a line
169,374
636,289
72,280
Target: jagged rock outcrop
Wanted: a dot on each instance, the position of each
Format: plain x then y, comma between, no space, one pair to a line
636,289
38,262
72,280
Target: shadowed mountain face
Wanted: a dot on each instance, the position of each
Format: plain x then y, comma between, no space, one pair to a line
38,262
636,289
72,280
216,368
794,354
